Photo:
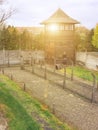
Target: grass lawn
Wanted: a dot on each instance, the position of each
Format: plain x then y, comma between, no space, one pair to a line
22,111
81,73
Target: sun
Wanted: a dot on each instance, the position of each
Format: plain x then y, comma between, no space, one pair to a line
53,27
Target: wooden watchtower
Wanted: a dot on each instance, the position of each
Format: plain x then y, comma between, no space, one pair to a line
59,35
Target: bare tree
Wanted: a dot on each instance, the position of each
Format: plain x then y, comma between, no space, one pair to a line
1,1
4,13
4,16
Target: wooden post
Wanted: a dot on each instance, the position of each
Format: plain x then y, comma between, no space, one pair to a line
3,56
97,85
72,70
30,55
53,109
31,59
54,58
11,77
64,80
2,71
45,72
93,88
33,66
54,64
24,86
8,59
41,64
22,63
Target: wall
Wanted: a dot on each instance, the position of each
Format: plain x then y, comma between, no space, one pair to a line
14,56
89,58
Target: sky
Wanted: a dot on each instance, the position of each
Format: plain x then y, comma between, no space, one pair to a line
33,12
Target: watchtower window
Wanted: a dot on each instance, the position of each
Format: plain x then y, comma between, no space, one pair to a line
61,27
68,27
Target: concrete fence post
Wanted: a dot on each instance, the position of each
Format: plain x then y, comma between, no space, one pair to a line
53,109
41,64
93,88
45,72
11,77
33,66
64,80
2,71
3,56
24,86
97,85
72,71
8,58
22,63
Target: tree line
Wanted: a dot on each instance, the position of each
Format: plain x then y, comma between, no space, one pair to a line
12,39
85,39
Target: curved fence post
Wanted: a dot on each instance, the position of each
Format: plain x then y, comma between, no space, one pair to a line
45,73
53,109
93,88
4,57
21,63
24,86
64,80
97,85
32,65
8,54
72,70
3,71
11,77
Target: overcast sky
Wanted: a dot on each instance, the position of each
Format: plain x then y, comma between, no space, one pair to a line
32,12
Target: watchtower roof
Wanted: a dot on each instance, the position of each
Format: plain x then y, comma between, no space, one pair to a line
60,17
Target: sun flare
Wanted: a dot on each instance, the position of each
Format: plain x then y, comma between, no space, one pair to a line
53,27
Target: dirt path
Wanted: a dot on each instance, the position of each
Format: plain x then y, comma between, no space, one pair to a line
3,120
3,123
67,106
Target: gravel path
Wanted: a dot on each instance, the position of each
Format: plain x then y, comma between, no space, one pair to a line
67,106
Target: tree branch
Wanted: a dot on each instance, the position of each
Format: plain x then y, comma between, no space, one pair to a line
6,15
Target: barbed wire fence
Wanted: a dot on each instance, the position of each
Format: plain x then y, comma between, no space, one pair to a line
40,68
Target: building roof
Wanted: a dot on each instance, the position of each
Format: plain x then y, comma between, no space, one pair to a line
60,17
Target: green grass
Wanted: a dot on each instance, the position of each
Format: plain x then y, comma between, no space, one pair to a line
20,105
20,119
81,73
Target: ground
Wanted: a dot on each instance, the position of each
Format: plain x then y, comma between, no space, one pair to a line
78,112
